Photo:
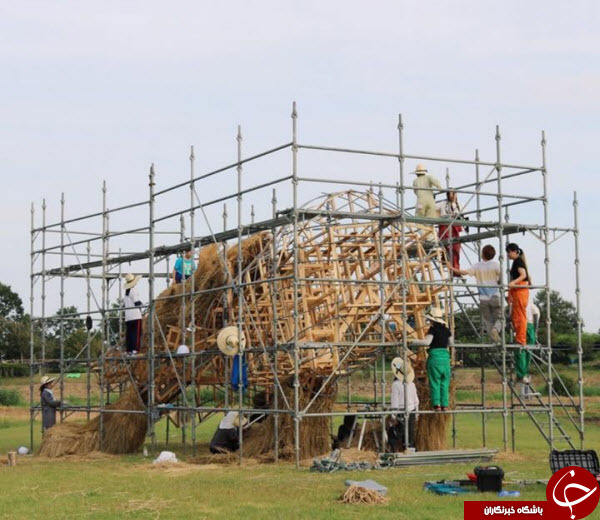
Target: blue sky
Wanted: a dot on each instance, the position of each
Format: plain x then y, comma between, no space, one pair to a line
99,91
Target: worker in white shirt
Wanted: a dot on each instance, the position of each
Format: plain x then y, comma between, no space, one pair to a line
397,431
133,313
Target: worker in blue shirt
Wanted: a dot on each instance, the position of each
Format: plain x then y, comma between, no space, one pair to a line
184,267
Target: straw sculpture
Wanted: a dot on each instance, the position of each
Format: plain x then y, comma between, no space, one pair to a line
360,495
338,324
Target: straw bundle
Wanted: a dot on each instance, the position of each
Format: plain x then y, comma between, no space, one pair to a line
431,429
360,495
123,432
314,431
212,272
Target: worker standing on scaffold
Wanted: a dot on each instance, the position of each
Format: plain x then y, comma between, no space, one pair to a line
422,186
133,313
184,267
438,338
518,298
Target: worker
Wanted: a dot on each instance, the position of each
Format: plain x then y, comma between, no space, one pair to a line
133,314
451,209
396,433
49,404
518,292
184,267
438,338
226,438
344,431
487,274
422,187
523,354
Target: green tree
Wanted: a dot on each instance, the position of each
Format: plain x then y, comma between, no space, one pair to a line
562,313
11,305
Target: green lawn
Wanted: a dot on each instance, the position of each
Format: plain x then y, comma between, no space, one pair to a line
113,487
129,487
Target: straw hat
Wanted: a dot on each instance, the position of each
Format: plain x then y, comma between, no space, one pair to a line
421,169
436,314
400,372
131,280
229,342
236,420
46,380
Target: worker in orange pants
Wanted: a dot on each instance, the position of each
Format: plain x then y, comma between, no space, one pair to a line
518,292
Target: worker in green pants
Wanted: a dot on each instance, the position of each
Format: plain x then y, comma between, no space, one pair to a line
438,338
523,355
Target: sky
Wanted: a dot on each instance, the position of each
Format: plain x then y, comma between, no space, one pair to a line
97,92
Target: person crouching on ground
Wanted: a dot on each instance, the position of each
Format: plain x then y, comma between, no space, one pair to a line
226,438
438,338
184,267
396,433
133,314
518,298
49,404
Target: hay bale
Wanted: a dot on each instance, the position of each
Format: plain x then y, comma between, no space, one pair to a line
360,495
431,430
314,431
123,432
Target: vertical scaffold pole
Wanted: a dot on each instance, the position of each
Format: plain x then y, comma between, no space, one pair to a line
579,320
151,359
88,295
240,293
226,317
103,309
547,289
498,167
32,326
403,279
482,351
62,305
274,294
382,318
182,327
43,315
192,298
296,285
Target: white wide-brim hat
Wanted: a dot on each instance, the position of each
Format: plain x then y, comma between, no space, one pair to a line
45,380
229,342
400,372
421,170
236,420
436,314
131,280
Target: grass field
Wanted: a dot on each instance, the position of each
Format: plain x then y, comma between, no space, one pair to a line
130,487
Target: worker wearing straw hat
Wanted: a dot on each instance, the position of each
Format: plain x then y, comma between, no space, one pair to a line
402,373
226,439
422,186
438,338
133,313
49,404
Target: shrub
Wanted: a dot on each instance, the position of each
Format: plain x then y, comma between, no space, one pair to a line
9,397
559,388
14,370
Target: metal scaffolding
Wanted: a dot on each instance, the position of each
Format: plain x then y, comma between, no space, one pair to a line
89,257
